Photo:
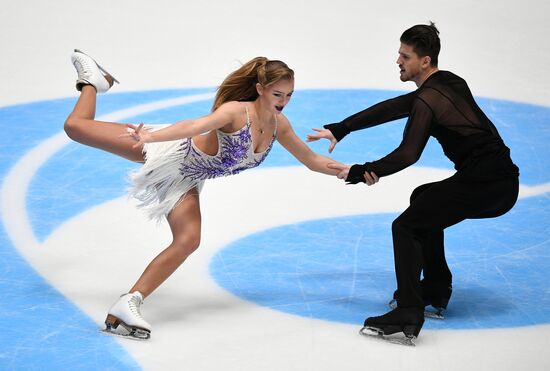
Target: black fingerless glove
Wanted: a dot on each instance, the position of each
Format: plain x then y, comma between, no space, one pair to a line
356,174
338,130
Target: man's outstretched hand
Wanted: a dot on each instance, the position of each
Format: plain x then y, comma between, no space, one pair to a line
323,134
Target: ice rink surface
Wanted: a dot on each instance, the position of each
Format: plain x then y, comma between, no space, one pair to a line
291,262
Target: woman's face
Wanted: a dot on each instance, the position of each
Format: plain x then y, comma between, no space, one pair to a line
275,97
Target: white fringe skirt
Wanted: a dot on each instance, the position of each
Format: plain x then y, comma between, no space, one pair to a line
158,184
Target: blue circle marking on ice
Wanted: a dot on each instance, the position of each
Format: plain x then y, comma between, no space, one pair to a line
50,201
341,269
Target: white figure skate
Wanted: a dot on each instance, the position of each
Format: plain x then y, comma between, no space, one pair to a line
126,312
91,73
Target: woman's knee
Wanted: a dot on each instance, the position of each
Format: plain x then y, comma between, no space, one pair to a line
72,128
187,243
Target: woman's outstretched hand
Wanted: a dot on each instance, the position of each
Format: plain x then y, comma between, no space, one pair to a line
343,170
140,135
323,134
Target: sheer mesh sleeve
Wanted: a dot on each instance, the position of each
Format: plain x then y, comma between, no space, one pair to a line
415,137
388,110
443,107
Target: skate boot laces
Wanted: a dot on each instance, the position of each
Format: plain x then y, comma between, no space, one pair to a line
83,67
134,304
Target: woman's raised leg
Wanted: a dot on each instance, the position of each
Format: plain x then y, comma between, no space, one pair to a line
81,127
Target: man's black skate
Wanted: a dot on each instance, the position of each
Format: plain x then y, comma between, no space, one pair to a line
435,295
409,321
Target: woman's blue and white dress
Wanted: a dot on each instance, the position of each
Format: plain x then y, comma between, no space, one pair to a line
173,168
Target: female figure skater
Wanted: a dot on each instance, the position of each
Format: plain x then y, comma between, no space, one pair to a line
246,119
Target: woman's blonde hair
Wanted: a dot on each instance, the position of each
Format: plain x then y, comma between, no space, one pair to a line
240,85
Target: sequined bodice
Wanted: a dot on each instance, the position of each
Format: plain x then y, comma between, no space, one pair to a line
235,154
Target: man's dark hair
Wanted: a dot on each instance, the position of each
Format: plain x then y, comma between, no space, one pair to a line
424,40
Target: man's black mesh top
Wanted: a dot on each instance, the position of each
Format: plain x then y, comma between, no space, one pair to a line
442,107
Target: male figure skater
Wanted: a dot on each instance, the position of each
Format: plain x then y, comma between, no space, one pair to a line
485,184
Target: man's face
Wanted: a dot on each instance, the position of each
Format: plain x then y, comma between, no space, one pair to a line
411,66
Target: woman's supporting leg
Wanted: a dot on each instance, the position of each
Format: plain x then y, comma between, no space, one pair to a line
81,127
185,224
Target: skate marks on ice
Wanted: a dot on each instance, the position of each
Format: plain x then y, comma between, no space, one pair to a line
317,270
193,313
120,244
